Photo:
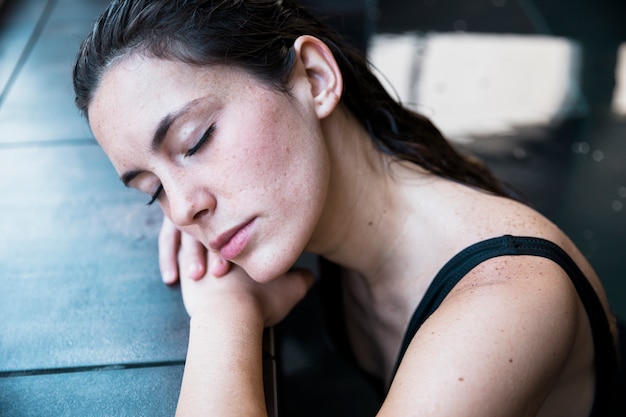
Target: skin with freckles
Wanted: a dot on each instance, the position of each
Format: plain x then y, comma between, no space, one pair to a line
257,176
264,160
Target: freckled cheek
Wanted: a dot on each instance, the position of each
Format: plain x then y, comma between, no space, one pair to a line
254,157
272,159
258,168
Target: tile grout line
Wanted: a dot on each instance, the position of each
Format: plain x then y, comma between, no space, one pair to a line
34,37
92,368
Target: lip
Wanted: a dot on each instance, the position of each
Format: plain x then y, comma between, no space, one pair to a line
232,242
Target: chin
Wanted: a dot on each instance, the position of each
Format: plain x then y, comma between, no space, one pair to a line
263,275
264,270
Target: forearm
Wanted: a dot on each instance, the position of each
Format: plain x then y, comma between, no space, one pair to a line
223,371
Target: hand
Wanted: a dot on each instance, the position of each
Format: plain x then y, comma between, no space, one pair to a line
272,300
180,255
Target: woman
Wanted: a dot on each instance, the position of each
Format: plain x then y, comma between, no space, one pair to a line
262,135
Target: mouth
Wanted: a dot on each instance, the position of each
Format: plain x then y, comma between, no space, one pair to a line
232,242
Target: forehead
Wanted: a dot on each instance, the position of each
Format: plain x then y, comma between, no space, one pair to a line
136,93
151,87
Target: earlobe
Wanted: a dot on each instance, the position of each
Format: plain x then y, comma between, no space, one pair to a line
322,72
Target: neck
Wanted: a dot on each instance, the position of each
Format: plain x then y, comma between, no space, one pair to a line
364,220
384,223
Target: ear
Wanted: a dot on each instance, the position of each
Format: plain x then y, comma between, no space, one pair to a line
322,73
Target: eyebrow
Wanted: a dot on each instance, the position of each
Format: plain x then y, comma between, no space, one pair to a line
159,137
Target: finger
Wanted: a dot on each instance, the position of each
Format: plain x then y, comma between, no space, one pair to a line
218,266
192,257
169,244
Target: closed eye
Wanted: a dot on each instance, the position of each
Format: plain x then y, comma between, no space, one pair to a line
190,152
155,196
202,141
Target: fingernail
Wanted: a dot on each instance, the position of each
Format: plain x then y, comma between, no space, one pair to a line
195,269
169,277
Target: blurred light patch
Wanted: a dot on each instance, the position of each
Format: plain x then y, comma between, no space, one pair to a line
474,85
619,96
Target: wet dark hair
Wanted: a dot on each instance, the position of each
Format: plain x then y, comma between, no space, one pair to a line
257,36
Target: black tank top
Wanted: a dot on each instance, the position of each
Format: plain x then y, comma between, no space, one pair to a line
606,358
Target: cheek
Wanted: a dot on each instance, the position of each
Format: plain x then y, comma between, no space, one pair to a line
273,151
247,157
296,185
282,160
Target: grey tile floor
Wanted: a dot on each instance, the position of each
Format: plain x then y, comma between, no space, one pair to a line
87,328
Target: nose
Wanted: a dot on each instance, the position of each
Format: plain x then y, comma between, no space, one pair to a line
187,203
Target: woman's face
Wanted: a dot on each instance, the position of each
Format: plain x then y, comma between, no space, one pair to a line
239,166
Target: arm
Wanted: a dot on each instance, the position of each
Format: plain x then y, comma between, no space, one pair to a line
223,372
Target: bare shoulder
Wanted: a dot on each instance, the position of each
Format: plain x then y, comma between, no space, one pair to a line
497,345
511,338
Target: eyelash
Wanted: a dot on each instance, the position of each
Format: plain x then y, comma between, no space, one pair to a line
189,153
201,142
155,195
